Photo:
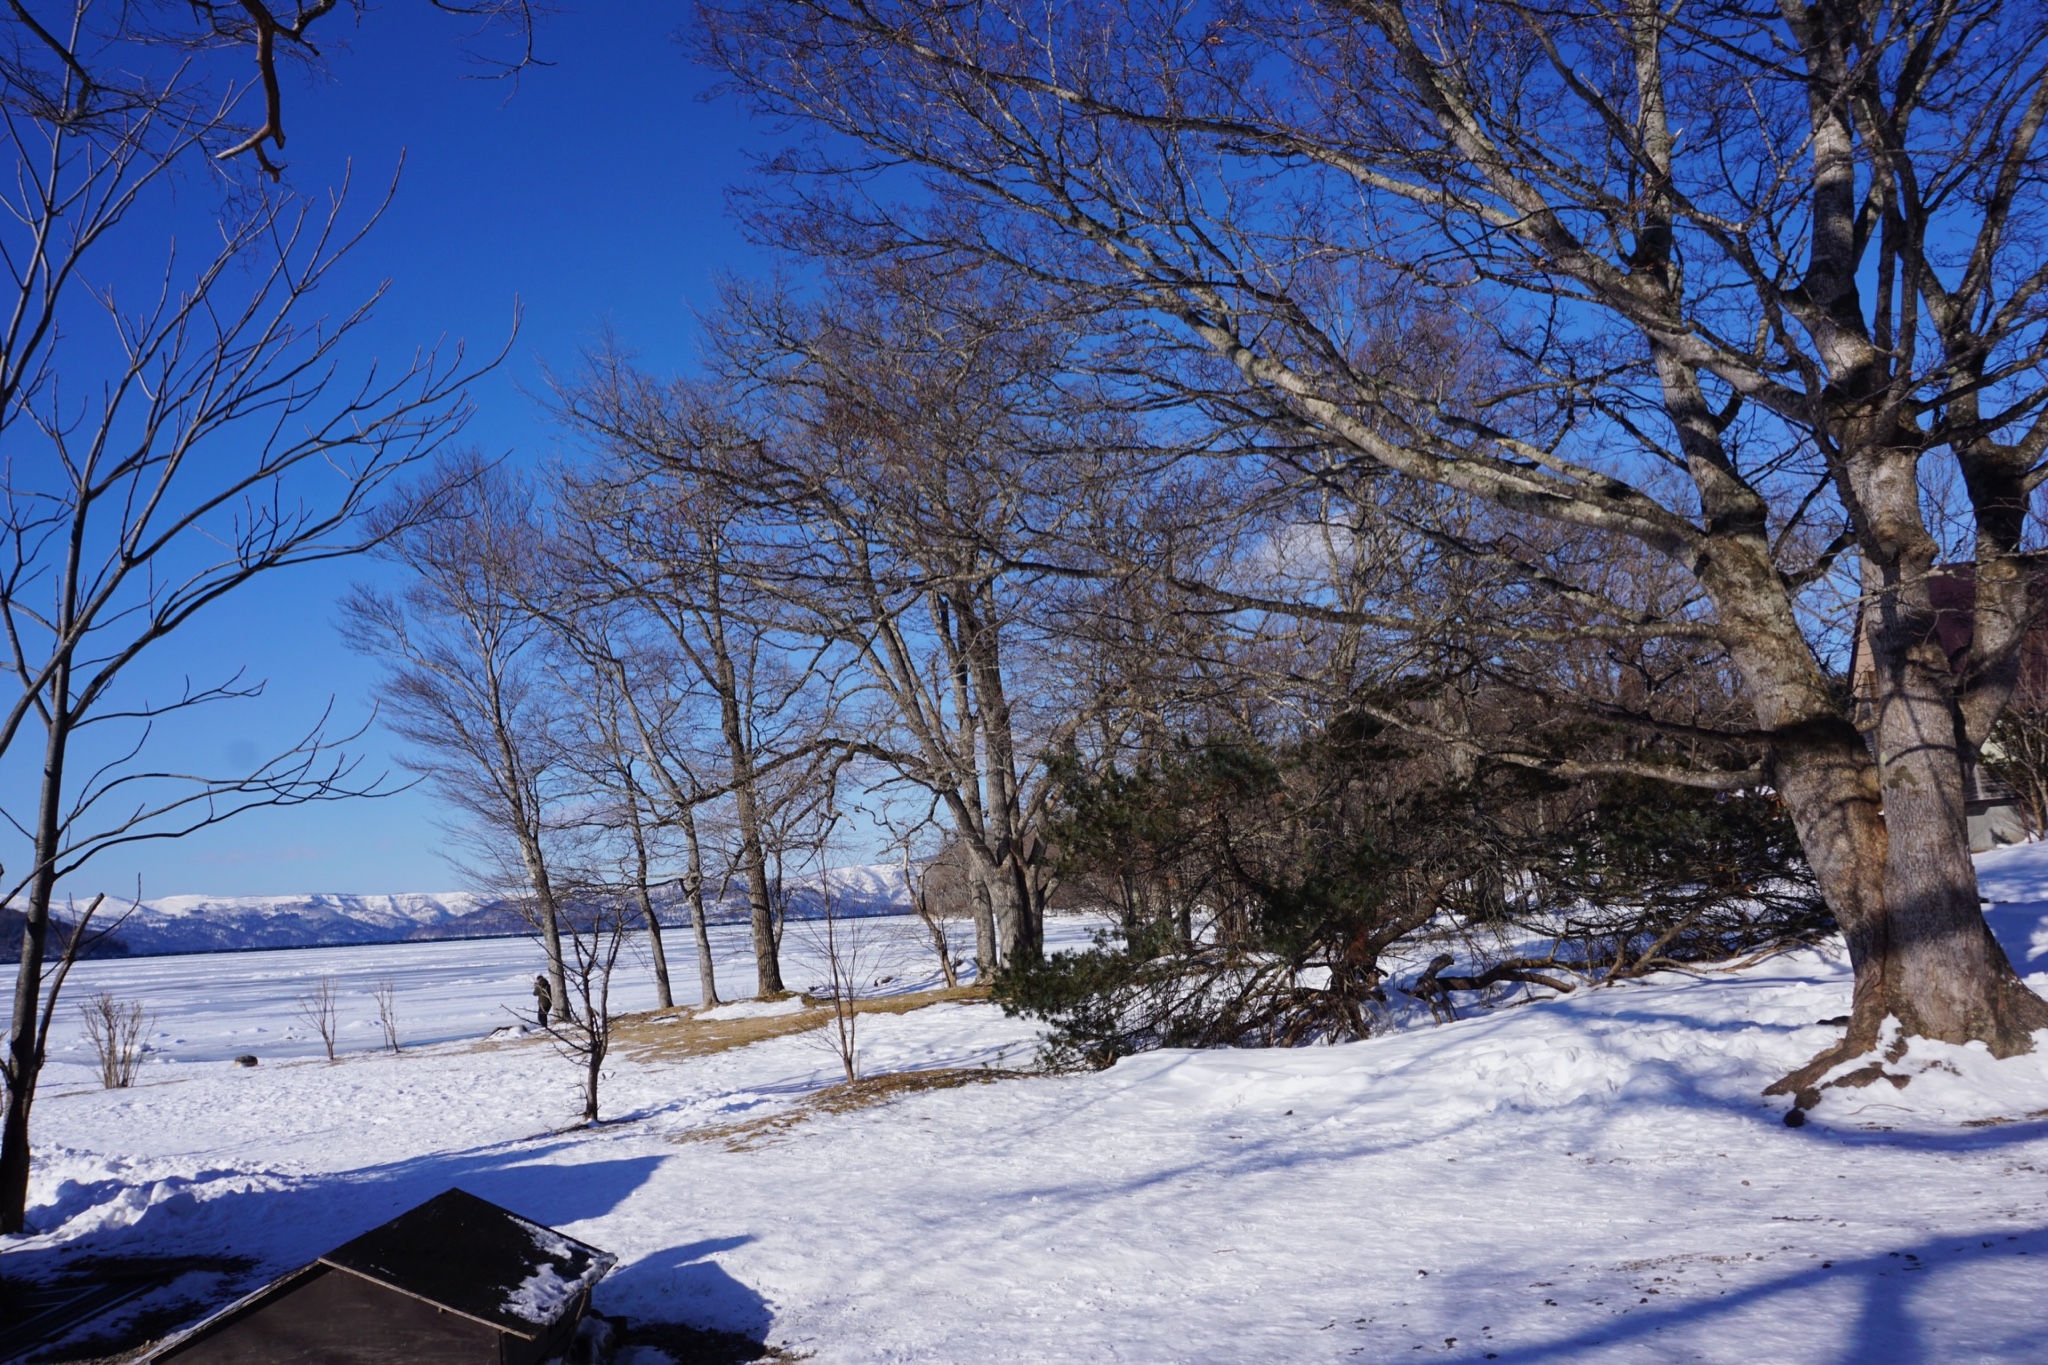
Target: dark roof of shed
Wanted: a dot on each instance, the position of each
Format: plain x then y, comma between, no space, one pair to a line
471,1257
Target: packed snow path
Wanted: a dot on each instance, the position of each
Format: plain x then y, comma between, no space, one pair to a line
1594,1178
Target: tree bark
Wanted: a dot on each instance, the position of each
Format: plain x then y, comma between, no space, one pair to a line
986,960
548,921
663,995
24,1058
1945,976
760,905
707,973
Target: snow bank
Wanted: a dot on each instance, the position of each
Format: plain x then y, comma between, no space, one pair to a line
754,1009
2015,882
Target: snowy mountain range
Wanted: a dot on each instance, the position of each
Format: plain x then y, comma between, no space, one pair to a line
209,924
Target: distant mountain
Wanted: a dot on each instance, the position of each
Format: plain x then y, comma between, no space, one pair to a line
13,921
209,924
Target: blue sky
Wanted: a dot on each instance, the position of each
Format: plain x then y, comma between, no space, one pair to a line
591,193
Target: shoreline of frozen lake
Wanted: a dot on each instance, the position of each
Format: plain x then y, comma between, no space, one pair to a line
210,1007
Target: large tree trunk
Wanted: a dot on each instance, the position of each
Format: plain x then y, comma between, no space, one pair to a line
1885,835
1945,976
1896,873
760,905
548,921
1888,841
707,972
661,988
24,1059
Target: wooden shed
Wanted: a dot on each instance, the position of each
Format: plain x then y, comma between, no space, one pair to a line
456,1280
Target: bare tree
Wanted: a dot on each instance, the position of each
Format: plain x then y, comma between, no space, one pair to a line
597,928
901,458
662,545
846,949
1723,282
115,1031
316,1009
170,446
604,750
647,720
466,684
850,949
385,993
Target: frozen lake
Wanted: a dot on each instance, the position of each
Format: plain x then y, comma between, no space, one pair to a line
212,1006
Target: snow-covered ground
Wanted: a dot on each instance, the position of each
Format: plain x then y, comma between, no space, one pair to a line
1593,1178
214,1006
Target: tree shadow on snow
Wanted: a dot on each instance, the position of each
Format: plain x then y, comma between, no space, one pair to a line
1885,1326
267,1231
654,1297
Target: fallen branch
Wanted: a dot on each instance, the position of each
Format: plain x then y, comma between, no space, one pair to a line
1435,988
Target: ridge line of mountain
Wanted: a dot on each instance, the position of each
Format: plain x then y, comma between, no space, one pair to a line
194,923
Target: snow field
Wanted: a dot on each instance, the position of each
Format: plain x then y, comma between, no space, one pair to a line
1594,1178
214,1006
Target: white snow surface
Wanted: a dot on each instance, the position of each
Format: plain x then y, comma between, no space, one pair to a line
753,1009
1590,1178
543,1295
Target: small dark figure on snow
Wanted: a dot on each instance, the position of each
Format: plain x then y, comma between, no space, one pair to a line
543,998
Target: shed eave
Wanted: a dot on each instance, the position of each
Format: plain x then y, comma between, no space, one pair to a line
249,1300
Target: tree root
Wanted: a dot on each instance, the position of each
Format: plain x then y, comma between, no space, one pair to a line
1805,1084
1879,1020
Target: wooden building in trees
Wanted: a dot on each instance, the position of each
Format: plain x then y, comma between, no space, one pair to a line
1997,813
457,1280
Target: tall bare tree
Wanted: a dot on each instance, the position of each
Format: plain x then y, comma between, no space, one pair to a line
604,749
653,720
466,683
1724,281
180,426
660,544
926,464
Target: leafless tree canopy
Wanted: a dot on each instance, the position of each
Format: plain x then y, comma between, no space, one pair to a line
1725,283
180,424
465,683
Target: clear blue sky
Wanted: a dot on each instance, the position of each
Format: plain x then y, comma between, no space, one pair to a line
592,193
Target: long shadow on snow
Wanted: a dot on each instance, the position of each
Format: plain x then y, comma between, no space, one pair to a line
1885,1327
279,1228
682,1284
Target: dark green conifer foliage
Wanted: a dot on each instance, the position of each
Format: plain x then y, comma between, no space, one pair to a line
1270,894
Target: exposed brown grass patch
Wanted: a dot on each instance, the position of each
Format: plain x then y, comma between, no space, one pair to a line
667,1035
845,1098
1995,1122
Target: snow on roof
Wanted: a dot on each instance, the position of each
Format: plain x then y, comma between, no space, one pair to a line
471,1257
